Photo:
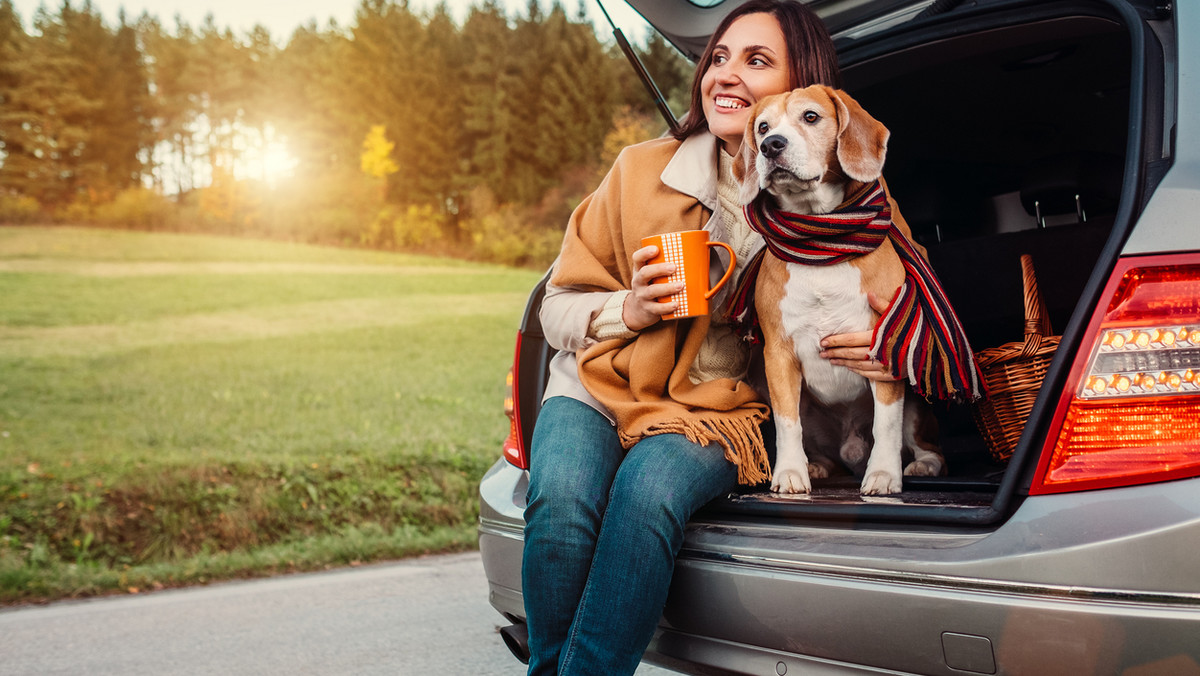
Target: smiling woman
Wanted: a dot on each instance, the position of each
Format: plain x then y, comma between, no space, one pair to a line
607,503
748,64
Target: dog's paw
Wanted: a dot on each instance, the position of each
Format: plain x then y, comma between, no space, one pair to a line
791,481
818,470
928,467
881,483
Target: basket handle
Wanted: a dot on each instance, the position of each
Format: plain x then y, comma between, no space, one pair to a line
1037,319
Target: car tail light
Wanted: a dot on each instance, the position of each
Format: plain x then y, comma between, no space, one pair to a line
1130,413
514,445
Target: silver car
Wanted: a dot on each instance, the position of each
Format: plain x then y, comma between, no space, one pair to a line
1066,130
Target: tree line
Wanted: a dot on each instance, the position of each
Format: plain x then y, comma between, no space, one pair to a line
402,130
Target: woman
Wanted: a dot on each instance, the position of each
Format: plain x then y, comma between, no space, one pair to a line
646,420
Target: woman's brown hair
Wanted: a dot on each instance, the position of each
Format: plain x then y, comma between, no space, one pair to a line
811,56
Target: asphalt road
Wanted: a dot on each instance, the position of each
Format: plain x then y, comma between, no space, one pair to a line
422,616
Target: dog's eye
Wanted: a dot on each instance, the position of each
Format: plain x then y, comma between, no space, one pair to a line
763,127
811,117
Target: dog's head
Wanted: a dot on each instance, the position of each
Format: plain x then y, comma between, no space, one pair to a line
806,141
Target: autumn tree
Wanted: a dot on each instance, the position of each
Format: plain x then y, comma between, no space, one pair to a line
169,58
53,103
125,134
497,115
672,73
311,108
20,112
492,101
376,160
437,137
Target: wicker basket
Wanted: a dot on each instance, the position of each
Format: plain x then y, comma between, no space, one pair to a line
1014,372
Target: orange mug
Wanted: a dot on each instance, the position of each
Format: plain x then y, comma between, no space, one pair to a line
688,250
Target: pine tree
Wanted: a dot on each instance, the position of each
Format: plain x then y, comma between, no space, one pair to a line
534,157
20,116
671,72
57,112
436,144
125,121
218,79
311,108
572,106
492,100
260,91
170,62
386,73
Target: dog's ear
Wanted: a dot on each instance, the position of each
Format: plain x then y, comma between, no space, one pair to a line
745,165
862,140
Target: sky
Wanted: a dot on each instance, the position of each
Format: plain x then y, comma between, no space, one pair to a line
282,17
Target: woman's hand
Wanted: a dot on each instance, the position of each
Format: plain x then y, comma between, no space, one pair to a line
642,307
851,349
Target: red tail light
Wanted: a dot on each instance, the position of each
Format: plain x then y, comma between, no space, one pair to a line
1130,413
514,445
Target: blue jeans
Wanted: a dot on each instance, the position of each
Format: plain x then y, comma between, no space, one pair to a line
602,530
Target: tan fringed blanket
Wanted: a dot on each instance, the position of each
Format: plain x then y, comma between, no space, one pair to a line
644,382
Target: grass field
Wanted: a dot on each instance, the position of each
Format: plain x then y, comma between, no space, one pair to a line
178,408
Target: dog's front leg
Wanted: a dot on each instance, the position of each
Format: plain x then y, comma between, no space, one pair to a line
784,379
883,474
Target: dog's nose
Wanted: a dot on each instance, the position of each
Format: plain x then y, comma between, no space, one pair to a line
773,145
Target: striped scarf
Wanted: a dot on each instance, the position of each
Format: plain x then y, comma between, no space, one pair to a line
919,330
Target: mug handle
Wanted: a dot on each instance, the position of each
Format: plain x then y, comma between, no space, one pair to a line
728,271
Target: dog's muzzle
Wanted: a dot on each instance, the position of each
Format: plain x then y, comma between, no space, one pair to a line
773,146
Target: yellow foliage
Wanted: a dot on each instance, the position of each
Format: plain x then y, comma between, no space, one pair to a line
376,158
628,128
18,208
414,226
221,199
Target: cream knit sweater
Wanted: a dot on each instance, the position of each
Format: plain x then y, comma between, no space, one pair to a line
724,354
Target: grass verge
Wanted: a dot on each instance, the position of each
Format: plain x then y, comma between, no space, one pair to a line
176,409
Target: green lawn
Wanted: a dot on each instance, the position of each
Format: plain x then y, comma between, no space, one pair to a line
178,408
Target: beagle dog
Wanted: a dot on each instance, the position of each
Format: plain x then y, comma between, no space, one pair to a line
809,150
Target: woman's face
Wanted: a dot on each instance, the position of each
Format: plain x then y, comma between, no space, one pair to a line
749,63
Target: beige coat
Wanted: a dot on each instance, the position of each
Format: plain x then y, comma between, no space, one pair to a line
567,313
654,187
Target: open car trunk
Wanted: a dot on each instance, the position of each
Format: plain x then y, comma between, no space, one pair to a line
1013,138
1018,128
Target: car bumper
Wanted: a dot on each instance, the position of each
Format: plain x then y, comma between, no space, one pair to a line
1082,583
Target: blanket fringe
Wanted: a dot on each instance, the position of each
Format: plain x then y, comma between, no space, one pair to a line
740,438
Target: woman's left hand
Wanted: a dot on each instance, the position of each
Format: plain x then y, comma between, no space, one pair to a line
852,349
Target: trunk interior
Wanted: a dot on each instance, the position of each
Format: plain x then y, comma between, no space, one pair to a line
1010,129
1008,139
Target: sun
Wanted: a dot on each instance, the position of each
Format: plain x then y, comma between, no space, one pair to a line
278,163
262,154
271,162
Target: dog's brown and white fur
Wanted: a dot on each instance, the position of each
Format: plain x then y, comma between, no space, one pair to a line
810,149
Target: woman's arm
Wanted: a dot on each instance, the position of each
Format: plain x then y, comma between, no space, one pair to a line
851,349
573,319
567,315
642,307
